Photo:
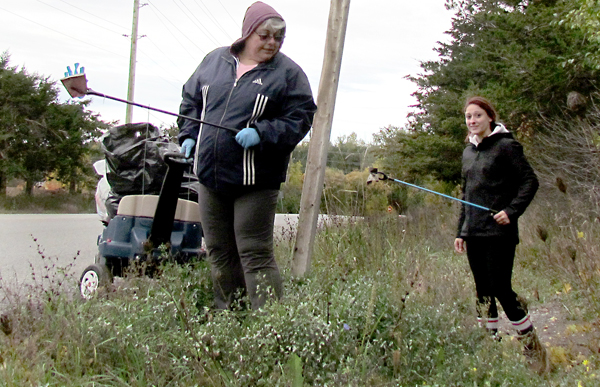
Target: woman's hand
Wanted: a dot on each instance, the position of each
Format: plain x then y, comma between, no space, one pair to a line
187,146
247,137
501,218
459,245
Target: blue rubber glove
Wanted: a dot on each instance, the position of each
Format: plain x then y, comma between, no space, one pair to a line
247,137
187,146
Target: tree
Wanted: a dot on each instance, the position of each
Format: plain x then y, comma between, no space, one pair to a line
585,16
515,54
24,99
171,132
347,153
38,135
411,155
74,130
512,52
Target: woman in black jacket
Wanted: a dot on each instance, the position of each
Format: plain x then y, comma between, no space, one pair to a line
496,175
253,87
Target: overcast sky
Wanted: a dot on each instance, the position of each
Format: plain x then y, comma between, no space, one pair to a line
385,41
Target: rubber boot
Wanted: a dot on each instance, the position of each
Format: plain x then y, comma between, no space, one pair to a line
486,306
228,285
262,286
535,352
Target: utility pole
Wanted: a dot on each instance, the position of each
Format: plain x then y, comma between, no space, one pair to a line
132,60
319,142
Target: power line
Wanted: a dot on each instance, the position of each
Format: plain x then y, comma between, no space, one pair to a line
174,81
168,57
200,27
96,16
156,117
155,10
58,32
177,28
214,20
231,17
75,16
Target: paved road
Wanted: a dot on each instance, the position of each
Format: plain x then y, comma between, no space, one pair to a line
30,242
61,238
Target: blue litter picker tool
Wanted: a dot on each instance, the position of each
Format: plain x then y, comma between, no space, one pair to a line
375,176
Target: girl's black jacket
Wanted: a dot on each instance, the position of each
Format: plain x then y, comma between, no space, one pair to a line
496,175
274,98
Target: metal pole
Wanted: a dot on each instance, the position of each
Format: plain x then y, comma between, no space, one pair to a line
76,85
375,176
132,60
445,196
92,92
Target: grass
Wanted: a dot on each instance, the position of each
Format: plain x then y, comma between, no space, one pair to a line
48,202
386,303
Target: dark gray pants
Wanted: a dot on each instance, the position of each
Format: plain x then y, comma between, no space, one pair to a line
238,232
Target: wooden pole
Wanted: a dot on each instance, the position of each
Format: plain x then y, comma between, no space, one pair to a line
132,60
319,143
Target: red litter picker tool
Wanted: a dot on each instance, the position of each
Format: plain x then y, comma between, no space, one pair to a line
76,85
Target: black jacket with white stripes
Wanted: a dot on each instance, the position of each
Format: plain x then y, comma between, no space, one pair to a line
274,98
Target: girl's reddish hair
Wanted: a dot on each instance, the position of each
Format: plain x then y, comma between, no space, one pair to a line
485,105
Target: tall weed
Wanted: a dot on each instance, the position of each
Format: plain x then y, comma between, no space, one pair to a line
386,303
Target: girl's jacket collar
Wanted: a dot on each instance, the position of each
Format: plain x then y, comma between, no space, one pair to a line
497,130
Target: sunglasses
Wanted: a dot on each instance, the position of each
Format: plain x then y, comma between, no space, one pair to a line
266,37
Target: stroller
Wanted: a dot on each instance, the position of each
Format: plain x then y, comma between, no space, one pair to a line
147,200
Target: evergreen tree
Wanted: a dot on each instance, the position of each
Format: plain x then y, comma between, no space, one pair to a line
517,54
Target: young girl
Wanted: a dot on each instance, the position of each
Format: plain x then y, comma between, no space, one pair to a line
496,175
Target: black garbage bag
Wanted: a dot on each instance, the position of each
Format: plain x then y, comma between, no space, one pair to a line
112,204
134,158
135,165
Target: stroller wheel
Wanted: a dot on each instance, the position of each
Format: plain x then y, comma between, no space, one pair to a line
94,278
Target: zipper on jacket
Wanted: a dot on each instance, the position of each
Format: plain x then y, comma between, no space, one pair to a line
235,82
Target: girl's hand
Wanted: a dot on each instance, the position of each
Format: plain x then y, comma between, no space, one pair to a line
501,218
459,245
